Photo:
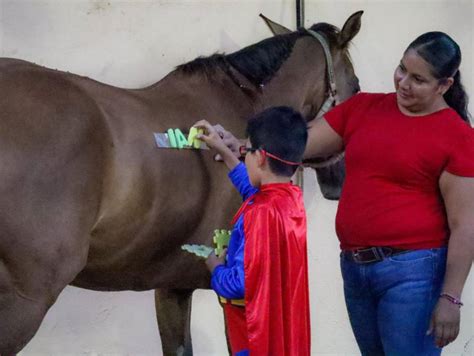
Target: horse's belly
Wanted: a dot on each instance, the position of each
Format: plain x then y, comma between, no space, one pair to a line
181,198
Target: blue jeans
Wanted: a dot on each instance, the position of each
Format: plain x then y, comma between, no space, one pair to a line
390,302
242,353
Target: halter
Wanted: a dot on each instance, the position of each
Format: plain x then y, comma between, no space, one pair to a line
332,96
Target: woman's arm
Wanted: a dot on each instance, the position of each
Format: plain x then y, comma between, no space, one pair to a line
458,196
322,140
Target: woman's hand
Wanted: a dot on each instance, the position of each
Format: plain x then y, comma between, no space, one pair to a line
444,323
222,141
230,141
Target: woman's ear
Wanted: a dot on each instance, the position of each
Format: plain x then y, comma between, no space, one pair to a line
445,85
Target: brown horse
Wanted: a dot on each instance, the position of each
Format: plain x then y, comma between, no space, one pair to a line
88,199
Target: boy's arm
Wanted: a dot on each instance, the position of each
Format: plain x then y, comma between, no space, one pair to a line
238,172
215,141
240,179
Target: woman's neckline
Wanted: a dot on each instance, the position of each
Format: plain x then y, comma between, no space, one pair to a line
417,116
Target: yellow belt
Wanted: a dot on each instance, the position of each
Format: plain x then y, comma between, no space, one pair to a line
237,302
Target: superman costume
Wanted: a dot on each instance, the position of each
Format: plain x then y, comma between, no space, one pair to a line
263,286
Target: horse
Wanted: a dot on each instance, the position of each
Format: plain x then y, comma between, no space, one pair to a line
89,200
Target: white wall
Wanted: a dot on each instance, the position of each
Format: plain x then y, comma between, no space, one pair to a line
135,43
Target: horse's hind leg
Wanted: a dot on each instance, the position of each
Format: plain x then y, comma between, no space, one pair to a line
43,246
31,279
173,312
20,316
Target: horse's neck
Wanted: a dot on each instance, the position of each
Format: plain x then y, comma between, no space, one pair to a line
295,87
220,90
234,95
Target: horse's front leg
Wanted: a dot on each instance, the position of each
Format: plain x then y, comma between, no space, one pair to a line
173,312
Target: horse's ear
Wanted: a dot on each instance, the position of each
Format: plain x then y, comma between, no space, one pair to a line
276,28
350,28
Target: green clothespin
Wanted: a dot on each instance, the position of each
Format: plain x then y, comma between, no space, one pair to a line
192,140
181,141
221,239
171,138
202,251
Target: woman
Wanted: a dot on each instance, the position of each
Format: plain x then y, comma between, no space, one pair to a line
406,215
405,218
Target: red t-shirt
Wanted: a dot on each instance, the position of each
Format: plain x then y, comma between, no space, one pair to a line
391,194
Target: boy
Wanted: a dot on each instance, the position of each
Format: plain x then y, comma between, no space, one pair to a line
262,283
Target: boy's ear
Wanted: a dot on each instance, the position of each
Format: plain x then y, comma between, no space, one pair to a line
261,158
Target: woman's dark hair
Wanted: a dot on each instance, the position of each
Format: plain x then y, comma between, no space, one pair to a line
443,54
282,132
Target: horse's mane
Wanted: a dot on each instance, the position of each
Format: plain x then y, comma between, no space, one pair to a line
258,62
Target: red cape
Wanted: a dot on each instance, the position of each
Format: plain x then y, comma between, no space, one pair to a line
276,272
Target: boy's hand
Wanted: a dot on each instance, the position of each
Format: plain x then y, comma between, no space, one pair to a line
213,261
211,136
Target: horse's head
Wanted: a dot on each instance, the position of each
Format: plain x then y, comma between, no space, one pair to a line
340,83
301,69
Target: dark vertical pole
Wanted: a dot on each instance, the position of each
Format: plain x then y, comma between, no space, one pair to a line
299,13
300,23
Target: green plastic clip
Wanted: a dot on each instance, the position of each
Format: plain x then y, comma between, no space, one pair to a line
181,141
221,239
171,138
192,140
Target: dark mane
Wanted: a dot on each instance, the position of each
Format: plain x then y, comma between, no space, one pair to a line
258,62
329,31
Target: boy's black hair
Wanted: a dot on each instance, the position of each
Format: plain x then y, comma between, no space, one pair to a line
282,132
